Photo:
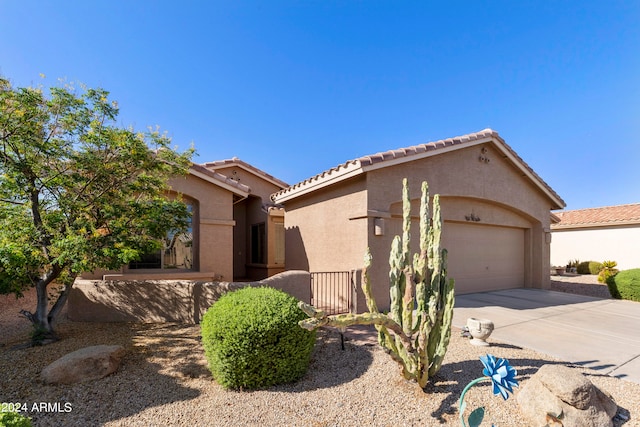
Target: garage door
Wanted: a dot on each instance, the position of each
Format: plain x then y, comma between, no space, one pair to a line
484,258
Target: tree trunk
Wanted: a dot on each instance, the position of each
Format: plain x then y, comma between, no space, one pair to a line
42,319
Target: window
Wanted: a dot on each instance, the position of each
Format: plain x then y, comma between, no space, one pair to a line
176,252
258,240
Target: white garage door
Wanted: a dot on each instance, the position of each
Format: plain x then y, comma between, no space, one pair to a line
484,258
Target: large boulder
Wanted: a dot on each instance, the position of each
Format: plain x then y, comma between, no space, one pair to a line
86,364
565,393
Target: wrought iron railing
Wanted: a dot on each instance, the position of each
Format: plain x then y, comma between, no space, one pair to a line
333,291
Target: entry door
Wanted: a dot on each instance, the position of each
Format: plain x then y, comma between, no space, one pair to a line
484,258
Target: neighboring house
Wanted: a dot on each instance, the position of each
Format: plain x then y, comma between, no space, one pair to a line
496,213
236,232
598,234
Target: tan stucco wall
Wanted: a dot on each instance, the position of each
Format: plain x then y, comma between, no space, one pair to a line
181,301
325,230
620,244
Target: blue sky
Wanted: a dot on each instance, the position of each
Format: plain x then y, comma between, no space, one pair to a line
297,87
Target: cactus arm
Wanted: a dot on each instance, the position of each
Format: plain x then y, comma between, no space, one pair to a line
318,318
366,283
445,336
408,303
395,279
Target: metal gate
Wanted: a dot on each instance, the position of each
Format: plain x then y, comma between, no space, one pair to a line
333,291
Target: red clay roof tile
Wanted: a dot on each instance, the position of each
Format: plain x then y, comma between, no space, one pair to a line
602,216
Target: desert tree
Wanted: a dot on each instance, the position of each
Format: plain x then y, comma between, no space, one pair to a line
77,191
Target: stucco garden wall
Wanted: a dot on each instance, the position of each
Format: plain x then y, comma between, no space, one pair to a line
183,301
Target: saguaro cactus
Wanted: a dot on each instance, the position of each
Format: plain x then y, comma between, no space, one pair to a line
417,329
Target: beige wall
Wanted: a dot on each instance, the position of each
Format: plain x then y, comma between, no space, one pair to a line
181,301
325,230
620,244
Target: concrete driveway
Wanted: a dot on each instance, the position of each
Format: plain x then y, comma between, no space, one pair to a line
601,334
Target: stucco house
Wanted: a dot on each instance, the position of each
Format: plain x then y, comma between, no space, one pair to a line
598,234
236,232
496,213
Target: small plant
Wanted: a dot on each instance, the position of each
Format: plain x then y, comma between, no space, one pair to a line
583,267
12,418
252,339
608,270
625,285
572,264
503,379
595,267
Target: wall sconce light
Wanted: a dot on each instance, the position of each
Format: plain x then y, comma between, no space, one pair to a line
378,226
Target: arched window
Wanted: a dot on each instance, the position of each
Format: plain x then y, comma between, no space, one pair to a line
176,251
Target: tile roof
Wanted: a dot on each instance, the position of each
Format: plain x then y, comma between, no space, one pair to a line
401,155
599,217
244,165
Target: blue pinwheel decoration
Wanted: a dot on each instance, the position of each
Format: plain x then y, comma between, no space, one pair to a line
503,379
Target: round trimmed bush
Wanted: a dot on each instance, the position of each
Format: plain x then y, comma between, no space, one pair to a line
583,267
625,285
595,267
252,339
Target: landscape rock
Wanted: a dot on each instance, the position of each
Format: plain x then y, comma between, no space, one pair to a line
563,392
86,364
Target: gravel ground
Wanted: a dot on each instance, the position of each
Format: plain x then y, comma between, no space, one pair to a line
163,381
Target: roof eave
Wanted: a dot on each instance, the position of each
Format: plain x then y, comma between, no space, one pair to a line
318,183
219,182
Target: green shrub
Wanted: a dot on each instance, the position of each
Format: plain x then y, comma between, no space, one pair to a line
608,270
595,267
14,419
583,267
625,285
252,339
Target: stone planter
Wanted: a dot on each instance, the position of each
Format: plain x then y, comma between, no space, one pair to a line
480,329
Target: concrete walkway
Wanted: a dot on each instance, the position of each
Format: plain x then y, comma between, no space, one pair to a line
601,334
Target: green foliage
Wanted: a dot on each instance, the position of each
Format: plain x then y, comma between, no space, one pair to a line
77,192
14,419
608,270
625,285
417,329
583,267
252,339
573,263
595,267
